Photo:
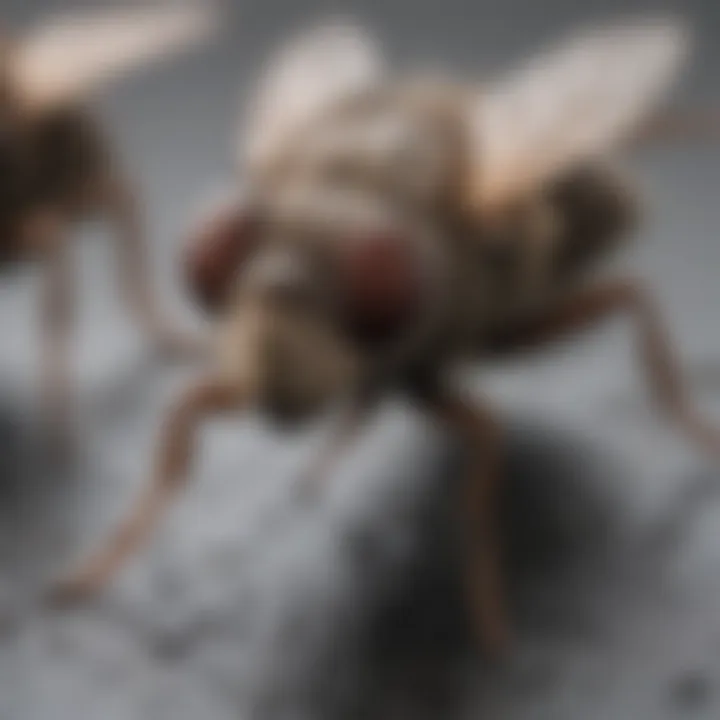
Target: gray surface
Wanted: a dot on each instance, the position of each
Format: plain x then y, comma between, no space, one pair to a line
249,605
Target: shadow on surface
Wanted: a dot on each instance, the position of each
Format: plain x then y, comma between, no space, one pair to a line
415,646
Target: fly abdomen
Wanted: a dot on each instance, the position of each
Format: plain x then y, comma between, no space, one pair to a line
597,213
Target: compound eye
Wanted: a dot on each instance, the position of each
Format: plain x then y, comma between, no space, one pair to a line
217,250
383,286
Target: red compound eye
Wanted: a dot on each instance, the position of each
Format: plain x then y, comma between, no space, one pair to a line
383,284
217,250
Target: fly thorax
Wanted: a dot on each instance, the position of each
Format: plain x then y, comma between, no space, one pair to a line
385,144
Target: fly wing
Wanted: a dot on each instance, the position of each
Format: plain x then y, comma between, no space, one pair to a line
311,72
72,55
569,105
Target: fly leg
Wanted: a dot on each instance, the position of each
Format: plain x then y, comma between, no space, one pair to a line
680,126
478,510
136,282
175,453
584,310
343,434
57,314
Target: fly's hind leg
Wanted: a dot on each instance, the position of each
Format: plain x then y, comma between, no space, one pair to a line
584,310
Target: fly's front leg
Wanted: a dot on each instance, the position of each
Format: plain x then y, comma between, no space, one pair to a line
135,277
343,434
587,308
478,506
171,468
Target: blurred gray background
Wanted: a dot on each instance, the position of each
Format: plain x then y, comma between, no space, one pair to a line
249,605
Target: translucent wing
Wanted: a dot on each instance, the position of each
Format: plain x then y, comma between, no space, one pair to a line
312,71
74,54
569,105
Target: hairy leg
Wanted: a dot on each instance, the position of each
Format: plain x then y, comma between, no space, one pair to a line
585,309
175,453
343,434
56,311
135,276
687,125
479,513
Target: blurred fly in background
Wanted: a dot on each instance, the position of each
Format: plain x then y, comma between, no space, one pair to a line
58,168
391,228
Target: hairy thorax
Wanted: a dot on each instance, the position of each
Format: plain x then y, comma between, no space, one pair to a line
398,153
403,143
